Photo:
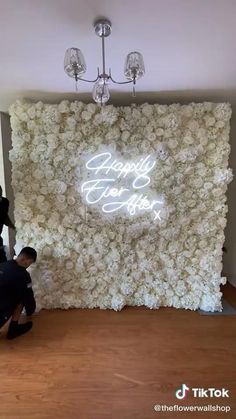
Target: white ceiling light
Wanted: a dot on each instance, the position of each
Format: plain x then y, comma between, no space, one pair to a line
75,66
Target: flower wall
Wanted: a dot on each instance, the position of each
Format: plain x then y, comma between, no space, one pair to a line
88,260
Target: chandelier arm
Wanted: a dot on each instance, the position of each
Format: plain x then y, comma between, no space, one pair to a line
89,81
120,82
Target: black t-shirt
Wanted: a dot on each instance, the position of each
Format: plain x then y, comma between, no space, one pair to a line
15,288
4,206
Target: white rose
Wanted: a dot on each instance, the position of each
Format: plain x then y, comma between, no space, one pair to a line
92,108
147,110
159,132
38,174
188,139
86,115
172,144
69,265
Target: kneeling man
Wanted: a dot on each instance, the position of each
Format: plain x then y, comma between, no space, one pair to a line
16,292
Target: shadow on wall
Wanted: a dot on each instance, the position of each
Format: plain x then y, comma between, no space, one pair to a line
119,98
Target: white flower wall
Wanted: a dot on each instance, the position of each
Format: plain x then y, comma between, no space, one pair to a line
85,260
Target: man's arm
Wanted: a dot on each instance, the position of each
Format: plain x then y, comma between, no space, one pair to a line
8,222
28,300
25,295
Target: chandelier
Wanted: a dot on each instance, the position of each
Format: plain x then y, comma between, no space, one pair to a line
75,66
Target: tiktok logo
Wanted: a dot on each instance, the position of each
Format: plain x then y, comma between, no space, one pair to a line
181,393
201,392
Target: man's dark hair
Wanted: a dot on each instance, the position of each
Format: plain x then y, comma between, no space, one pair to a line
29,253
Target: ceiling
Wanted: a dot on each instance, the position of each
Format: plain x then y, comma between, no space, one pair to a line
188,48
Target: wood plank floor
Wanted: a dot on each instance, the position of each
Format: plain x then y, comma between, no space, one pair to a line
94,364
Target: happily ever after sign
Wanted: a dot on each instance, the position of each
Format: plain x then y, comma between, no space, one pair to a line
120,187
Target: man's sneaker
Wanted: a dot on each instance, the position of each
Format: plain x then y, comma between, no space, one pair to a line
18,329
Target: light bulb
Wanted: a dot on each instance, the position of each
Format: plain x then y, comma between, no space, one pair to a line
101,92
134,66
74,62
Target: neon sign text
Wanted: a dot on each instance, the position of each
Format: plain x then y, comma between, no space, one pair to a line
114,185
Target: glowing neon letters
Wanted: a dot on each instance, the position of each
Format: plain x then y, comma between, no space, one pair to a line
113,184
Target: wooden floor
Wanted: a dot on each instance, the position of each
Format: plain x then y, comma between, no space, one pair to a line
94,364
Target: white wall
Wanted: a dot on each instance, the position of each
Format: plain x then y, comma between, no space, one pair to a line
230,232
5,178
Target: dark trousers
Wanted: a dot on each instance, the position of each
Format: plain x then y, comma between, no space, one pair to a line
3,257
4,317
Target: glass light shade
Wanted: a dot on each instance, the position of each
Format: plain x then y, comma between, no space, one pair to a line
101,92
134,66
74,62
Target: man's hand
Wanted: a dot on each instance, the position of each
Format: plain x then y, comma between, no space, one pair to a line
9,223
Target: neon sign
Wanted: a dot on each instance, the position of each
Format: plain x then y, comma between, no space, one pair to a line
116,186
